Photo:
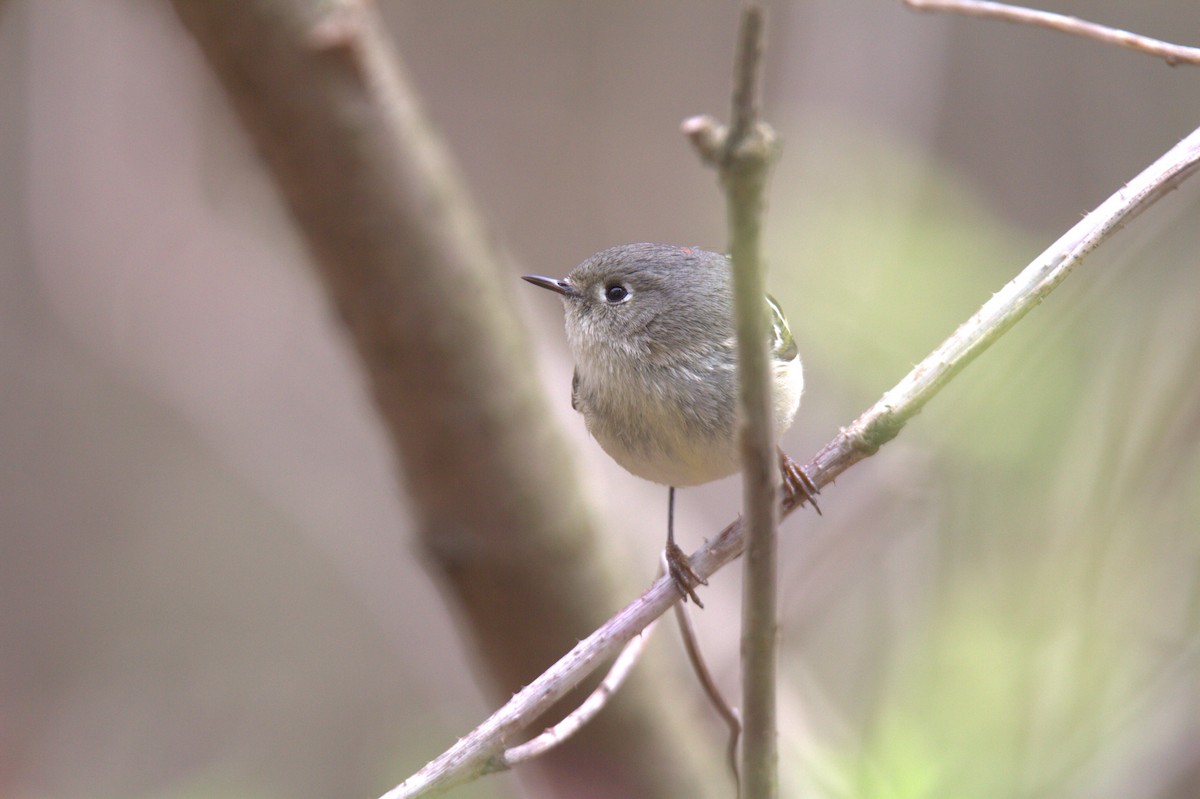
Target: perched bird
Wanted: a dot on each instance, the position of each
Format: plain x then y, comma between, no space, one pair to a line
651,329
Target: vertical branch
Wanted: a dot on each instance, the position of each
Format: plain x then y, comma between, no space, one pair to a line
744,108
747,163
743,156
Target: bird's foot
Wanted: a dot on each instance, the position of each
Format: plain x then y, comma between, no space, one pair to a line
797,483
682,573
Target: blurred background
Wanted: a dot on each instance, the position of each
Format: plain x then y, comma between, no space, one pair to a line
207,582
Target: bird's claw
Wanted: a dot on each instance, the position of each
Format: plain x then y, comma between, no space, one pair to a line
682,573
796,482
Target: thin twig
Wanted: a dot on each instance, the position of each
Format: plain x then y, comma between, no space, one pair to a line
858,441
1173,54
728,714
595,701
744,115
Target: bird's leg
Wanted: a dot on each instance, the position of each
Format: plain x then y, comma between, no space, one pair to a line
678,564
796,481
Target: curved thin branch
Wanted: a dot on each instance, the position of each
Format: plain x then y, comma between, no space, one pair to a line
587,709
728,714
861,439
1173,54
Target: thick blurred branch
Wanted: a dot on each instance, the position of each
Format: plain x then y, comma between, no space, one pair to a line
418,285
861,439
1171,53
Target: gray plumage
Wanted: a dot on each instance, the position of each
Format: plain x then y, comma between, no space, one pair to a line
652,332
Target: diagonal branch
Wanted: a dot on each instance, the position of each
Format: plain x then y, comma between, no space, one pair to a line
1008,306
861,439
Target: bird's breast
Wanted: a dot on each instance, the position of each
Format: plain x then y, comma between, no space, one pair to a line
672,426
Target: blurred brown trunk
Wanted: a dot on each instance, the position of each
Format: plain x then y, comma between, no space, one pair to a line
419,287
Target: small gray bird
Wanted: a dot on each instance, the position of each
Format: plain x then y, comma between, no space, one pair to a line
652,332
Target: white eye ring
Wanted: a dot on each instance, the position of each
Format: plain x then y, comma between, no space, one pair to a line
616,294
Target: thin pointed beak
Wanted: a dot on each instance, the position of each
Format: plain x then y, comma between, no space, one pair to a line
555,284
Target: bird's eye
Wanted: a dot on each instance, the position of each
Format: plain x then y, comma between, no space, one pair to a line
616,293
